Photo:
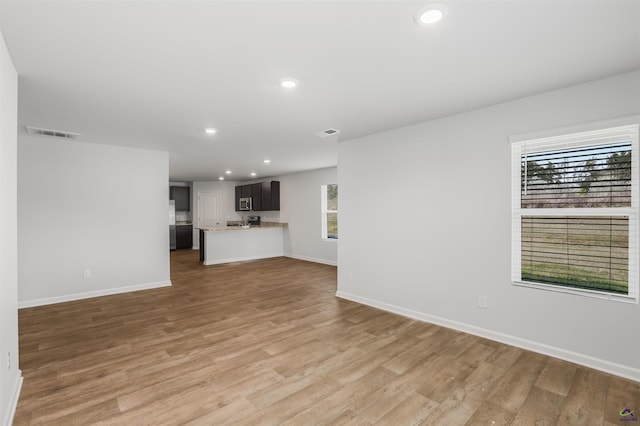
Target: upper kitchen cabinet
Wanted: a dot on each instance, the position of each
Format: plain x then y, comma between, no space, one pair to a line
256,197
270,195
181,195
264,195
238,196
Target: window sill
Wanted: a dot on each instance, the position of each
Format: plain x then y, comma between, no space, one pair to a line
579,292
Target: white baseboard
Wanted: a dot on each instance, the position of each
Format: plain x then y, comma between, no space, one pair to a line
240,259
577,358
312,259
13,400
90,294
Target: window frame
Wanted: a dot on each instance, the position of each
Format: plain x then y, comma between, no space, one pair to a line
546,142
325,212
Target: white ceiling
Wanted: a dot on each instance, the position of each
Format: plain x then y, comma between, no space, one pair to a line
154,74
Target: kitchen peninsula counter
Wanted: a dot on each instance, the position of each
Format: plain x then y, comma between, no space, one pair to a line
225,244
263,225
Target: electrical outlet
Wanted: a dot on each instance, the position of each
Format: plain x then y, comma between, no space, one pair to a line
482,302
86,273
9,360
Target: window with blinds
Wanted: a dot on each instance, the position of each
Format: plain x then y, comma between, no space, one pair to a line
575,212
329,204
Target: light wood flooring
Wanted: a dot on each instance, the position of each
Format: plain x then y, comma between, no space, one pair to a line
267,342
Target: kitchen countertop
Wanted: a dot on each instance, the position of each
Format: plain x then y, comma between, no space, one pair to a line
240,228
183,223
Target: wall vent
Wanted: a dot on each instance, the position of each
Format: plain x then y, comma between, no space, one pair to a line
328,132
52,133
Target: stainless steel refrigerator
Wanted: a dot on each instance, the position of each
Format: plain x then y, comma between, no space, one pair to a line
172,225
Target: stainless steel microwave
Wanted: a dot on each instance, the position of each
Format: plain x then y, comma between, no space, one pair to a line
245,203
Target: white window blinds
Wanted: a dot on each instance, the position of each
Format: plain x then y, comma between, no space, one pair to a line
575,212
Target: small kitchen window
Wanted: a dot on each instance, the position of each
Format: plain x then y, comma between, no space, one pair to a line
329,204
575,213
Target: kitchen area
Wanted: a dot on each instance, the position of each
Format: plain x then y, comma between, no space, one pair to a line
226,222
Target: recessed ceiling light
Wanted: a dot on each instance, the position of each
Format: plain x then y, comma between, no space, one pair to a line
228,172
289,83
253,174
210,131
431,14
266,161
221,178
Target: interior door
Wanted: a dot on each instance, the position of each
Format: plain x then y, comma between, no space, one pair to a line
208,209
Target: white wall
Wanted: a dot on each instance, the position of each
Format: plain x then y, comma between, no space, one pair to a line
436,233
10,378
90,206
300,207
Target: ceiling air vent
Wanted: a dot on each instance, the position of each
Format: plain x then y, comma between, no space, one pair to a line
328,132
53,133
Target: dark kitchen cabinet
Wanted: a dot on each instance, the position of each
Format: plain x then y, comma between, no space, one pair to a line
256,197
201,244
264,195
184,236
181,195
243,191
238,196
270,195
